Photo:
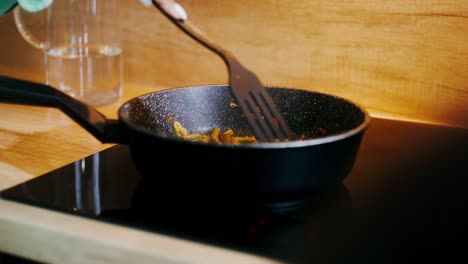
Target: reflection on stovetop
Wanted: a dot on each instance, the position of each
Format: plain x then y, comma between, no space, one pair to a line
107,187
406,196
288,228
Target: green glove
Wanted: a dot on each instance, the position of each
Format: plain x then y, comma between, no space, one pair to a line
28,5
34,5
6,6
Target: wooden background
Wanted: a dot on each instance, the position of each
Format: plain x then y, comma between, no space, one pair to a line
399,59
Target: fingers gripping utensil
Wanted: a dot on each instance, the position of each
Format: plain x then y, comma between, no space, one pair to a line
260,111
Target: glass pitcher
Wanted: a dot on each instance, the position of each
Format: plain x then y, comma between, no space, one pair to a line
81,45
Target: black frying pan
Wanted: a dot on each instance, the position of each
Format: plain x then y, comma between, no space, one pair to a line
262,173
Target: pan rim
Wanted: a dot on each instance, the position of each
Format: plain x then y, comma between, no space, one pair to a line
261,145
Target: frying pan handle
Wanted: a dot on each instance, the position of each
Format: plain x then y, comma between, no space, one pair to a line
30,93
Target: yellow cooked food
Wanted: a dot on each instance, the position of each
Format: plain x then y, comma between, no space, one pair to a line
213,136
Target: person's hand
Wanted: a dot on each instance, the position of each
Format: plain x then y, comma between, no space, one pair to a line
38,5
34,5
169,6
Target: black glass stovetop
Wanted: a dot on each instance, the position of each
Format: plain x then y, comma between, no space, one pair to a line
405,195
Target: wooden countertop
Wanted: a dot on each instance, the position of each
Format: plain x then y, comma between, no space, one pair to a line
36,140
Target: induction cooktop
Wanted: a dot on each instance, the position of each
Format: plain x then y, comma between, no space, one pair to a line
405,196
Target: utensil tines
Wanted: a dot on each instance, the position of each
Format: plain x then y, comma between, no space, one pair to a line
257,105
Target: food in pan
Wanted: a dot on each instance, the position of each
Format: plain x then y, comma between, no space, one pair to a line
215,135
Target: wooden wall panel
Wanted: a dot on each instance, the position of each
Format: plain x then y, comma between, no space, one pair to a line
400,59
